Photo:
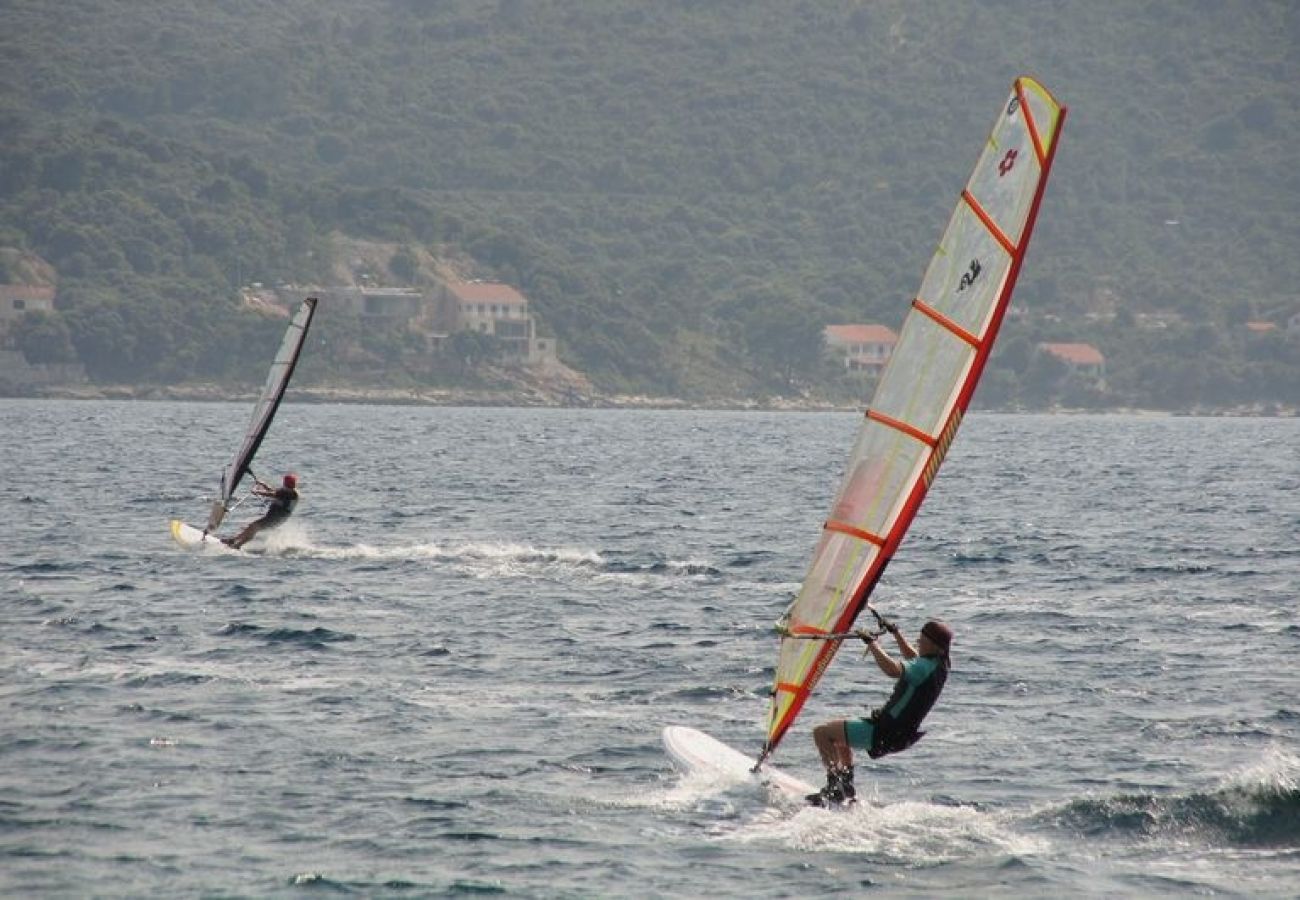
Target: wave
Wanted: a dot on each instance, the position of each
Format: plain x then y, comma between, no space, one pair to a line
317,638
1258,808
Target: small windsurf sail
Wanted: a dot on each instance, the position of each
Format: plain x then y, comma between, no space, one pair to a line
923,392
277,380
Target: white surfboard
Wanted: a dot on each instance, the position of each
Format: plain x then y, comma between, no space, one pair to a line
695,751
190,537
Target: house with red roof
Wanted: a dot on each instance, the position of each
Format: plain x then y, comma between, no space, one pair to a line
497,309
1083,358
862,348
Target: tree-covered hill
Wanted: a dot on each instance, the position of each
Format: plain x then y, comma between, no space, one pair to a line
685,190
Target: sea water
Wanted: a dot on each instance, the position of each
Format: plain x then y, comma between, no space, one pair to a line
448,673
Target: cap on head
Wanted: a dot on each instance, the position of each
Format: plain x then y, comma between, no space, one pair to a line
938,632
291,480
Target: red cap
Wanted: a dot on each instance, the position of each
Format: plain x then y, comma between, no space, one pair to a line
291,480
938,632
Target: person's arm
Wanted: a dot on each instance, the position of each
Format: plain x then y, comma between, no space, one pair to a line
890,666
905,648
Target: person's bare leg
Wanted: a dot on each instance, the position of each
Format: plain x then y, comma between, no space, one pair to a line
833,746
250,531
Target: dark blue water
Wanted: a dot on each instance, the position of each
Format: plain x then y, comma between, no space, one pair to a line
448,674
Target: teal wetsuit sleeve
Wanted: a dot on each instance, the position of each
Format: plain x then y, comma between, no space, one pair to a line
915,671
918,669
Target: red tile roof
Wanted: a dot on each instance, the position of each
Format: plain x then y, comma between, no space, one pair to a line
1076,354
486,292
860,334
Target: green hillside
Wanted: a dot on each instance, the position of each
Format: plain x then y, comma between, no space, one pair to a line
685,190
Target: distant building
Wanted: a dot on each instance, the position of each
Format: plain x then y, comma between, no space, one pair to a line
437,313
496,309
19,299
1260,327
16,300
1083,358
862,348
394,304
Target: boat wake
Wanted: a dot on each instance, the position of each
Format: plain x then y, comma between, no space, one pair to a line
488,559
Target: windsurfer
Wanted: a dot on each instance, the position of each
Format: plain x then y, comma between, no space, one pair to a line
284,500
894,726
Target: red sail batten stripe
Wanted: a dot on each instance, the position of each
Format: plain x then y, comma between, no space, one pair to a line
992,227
940,319
853,531
899,425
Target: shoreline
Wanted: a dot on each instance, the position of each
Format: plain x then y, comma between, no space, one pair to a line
532,398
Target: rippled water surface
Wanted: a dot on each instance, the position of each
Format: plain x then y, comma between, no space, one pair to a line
448,674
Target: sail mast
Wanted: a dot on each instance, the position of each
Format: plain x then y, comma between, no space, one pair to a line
923,392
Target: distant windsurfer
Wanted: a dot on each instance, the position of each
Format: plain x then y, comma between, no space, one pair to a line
284,500
894,726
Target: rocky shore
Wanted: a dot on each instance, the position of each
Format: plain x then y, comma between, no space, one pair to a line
516,397
539,397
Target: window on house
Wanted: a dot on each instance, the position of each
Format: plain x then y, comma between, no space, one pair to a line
20,304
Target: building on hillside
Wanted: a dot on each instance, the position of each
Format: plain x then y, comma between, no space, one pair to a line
1261,327
483,307
1082,358
862,348
498,310
390,304
16,300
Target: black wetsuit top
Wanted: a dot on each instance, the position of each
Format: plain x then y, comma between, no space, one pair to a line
281,506
898,721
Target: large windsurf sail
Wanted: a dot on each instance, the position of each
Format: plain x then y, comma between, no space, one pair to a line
923,392
277,380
